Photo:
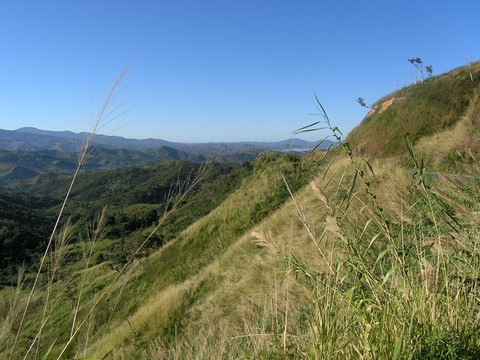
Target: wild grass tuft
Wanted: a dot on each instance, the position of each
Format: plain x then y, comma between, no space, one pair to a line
60,309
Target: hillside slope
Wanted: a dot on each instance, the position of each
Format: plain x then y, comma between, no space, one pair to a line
291,284
444,106
260,195
28,212
16,166
206,261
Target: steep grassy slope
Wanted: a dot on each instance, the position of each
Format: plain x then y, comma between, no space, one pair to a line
338,272
192,251
178,280
27,216
335,273
418,112
367,262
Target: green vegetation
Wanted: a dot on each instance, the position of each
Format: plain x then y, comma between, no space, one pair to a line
325,256
18,166
25,223
133,206
418,111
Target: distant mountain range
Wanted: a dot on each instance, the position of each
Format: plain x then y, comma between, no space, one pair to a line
28,152
68,141
32,139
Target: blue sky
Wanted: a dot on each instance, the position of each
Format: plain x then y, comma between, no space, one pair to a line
218,70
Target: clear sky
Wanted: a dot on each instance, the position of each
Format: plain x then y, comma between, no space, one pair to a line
229,70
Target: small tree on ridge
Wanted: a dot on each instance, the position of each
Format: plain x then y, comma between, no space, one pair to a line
361,101
418,63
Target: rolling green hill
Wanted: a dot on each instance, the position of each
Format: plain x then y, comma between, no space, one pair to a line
440,116
133,205
16,166
371,253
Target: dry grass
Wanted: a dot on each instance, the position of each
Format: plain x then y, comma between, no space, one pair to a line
248,293
246,278
459,142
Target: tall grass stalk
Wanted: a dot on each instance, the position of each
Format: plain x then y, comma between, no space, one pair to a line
404,285
359,172
55,254
182,190
57,257
100,118
13,307
94,235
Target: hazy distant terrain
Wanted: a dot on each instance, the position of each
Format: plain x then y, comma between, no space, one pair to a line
28,152
32,139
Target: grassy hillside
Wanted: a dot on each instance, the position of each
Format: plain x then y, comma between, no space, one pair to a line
420,112
193,250
27,216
